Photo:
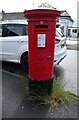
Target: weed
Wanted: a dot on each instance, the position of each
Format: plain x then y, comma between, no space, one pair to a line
58,94
21,74
73,94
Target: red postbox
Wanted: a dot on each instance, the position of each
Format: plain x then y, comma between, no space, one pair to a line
41,32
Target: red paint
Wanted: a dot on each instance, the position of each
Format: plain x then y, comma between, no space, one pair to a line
41,59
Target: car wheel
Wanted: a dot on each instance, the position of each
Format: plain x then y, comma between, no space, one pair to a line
24,63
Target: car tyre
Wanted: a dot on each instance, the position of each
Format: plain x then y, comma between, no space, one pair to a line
24,63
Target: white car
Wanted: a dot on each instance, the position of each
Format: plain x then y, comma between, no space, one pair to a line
14,43
60,47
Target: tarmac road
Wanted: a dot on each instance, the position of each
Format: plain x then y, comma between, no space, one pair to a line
14,101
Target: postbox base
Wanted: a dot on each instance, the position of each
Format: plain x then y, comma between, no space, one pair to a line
41,86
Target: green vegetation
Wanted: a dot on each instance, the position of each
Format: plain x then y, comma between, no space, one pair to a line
46,5
58,94
73,94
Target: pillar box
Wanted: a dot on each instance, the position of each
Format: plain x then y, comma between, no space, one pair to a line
41,42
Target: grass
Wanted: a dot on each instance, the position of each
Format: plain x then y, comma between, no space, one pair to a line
58,94
73,94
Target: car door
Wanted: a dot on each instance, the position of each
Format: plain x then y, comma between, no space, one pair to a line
12,39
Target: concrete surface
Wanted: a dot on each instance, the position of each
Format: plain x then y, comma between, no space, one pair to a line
16,105
72,43
68,70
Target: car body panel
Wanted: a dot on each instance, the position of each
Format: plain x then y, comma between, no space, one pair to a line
11,48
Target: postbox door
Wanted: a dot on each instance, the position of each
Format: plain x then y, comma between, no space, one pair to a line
43,51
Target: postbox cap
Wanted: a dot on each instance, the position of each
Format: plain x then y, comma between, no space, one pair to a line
41,13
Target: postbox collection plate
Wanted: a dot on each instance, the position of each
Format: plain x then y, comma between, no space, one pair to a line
41,40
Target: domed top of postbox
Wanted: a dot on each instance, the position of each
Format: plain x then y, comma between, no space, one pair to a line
41,13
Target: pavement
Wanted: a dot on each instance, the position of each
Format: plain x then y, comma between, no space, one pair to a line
67,70
72,43
16,105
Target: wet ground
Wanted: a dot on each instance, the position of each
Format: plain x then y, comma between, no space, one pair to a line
15,103
14,90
